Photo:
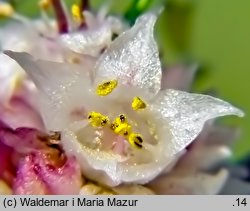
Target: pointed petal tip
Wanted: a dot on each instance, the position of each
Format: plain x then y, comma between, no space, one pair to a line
238,112
241,113
9,53
148,19
17,56
158,10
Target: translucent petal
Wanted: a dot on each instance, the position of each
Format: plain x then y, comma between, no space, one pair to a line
10,73
22,140
235,186
184,114
61,86
194,183
206,157
132,190
20,114
133,58
179,77
90,42
222,135
108,168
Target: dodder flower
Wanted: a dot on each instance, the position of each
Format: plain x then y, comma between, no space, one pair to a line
114,118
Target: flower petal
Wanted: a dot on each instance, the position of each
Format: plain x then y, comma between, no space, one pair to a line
9,75
69,175
111,169
179,77
184,114
222,135
236,186
20,114
22,140
196,183
27,181
133,58
60,85
132,190
89,42
37,175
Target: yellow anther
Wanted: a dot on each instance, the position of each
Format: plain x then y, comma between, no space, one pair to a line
97,119
74,60
106,88
16,81
44,4
122,118
138,103
121,126
135,140
6,9
76,13
123,129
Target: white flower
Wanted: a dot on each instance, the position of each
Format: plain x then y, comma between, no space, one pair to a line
85,105
96,36
41,39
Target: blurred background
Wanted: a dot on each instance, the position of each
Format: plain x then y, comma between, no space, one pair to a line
215,34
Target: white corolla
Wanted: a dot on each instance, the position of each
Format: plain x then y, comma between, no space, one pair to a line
114,118
43,39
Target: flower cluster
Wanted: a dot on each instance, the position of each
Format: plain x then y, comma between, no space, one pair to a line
98,114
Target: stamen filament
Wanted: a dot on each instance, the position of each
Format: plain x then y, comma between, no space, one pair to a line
60,16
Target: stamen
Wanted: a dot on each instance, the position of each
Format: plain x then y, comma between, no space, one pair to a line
77,13
44,7
16,82
44,4
138,104
6,9
106,88
60,16
120,126
97,119
123,129
135,140
122,118
85,5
